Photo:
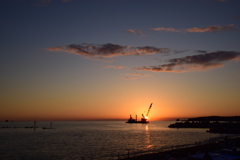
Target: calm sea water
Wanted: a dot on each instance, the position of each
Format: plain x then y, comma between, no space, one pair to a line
91,139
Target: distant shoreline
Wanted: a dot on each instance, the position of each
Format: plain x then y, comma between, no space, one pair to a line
124,120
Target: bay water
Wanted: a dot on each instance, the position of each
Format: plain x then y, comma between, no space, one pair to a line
91,139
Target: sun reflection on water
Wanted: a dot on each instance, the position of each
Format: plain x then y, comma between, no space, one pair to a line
147,138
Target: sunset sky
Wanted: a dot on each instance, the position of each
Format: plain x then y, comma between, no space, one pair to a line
107,59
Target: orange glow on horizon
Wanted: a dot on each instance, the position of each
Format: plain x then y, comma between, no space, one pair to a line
163,109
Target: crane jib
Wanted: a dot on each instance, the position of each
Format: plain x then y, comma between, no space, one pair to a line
149,109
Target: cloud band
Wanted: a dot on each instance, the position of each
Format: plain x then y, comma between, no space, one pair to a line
195,63
108,50
215,28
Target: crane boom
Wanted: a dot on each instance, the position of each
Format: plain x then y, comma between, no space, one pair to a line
149,109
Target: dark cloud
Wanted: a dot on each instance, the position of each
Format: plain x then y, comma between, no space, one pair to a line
196,62
150,50
201,51
108,50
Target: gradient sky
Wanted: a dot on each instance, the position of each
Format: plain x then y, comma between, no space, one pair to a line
106,59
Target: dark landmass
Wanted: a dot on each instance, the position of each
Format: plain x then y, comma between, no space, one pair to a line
215,124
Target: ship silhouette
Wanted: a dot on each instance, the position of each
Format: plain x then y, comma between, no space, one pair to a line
144,119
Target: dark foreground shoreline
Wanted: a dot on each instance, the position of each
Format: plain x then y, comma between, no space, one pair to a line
185,153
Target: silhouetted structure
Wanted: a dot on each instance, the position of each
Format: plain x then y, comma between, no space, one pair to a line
144,119
216,124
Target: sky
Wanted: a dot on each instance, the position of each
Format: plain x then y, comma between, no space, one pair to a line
107,59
